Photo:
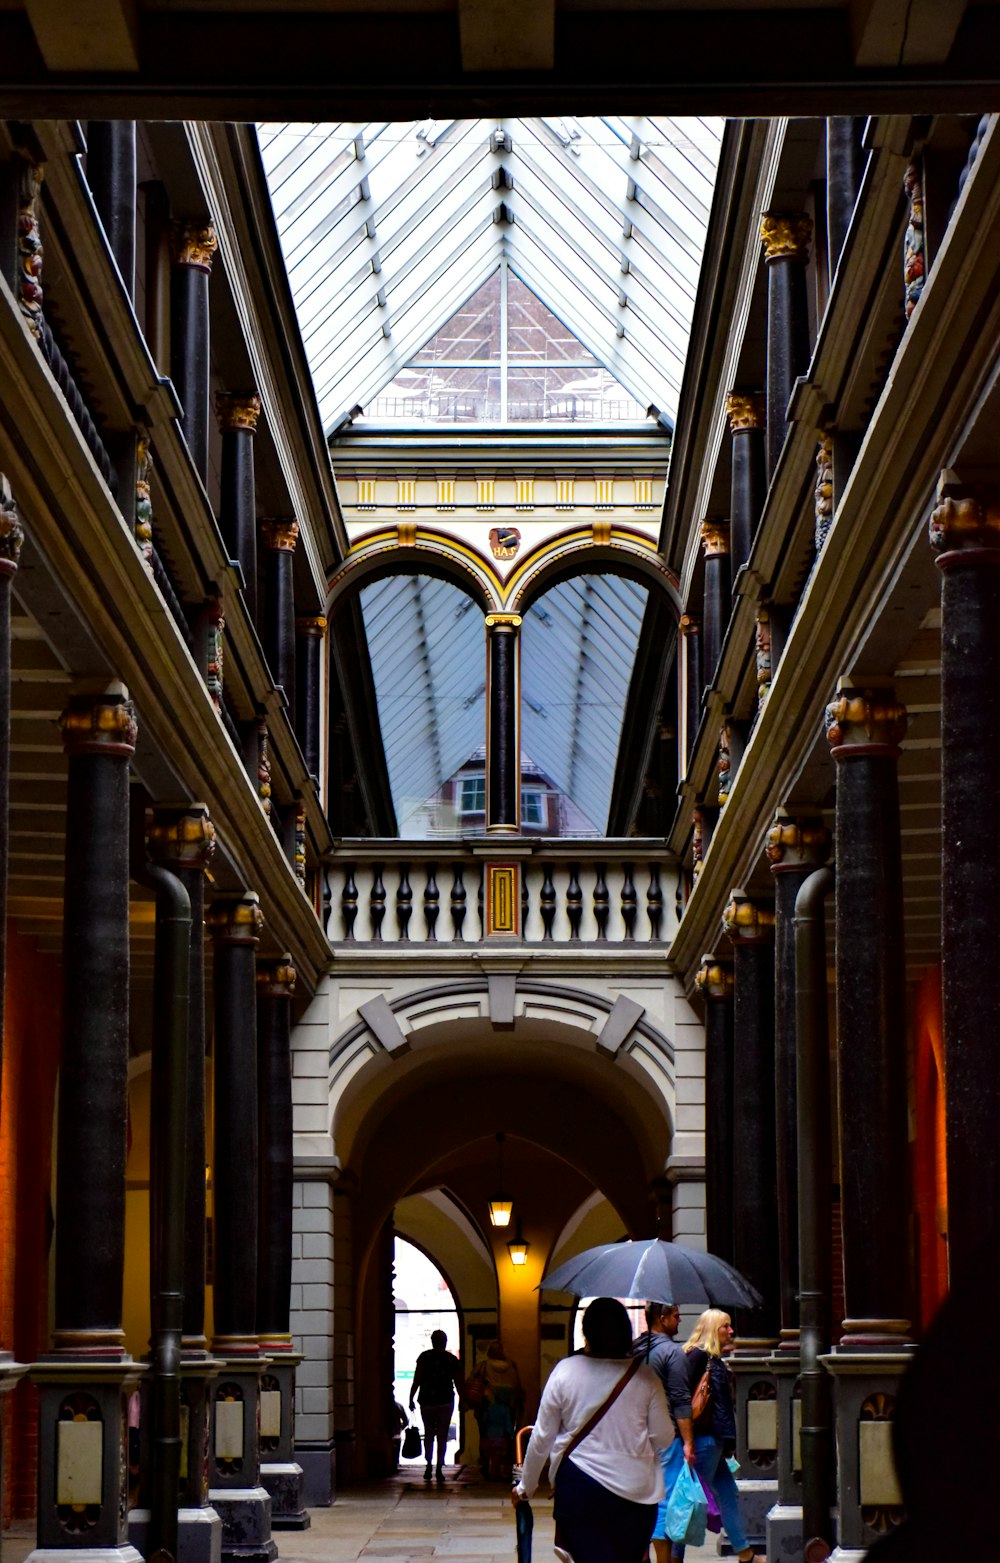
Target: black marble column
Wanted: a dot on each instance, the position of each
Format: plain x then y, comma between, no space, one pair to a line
865,726
194,246
796,846
237,415
279,538
965,529
235,924
111,174
750,927
308,686
717,602
87,1377
503,724
747,423
690,628
786,250
845,162
11,541
714,982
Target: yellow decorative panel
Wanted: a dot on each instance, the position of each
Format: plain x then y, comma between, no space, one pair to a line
485,491
446,494
604,493
366,493
643,493
879,1484
564,493
79,1462
525,494
406,496
762,1424
270,1413
503,897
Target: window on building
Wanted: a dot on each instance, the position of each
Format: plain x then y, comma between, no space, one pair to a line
532,807
473,795
504,357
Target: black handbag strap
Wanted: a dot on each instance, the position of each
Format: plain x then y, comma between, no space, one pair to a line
595,1416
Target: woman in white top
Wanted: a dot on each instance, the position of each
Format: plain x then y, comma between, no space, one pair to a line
607,1490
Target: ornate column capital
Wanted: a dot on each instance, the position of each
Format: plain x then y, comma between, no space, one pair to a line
276,977
864,721
236,919
194,244
182,837
746,411
101,723
503,621
314,626
715,538
965,517
237,411
689,624
746,921
786,236
280,533
11,533
714,979
796,842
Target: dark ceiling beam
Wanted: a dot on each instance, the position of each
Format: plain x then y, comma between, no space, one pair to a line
280,63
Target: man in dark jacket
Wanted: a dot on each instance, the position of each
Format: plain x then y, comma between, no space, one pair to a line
660,1348
438,1374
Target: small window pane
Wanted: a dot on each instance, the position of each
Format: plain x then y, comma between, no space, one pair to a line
473,795
531,808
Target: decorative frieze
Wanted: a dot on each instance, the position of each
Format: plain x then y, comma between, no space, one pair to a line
143,501
445,493
525,494
30,254
823,492
485,492
565,488
914,239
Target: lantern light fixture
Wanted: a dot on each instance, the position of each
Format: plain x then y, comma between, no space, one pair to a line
518,1248
500,1208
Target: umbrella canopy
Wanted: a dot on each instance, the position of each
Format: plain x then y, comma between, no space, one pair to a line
653,1271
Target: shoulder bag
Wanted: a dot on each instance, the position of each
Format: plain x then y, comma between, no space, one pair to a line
701,1399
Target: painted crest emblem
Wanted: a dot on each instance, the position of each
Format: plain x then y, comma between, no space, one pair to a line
504,541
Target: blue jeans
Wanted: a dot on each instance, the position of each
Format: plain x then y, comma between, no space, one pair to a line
711,1466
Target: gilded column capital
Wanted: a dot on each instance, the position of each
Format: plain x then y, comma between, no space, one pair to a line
786,236
281,533
314,626
964,519
746,921
503,621
276,977
237,412
796,842
100,723
689,624
864,721
182,837
11,533
236,919
715,538
30,253
714,979
194,244
746,411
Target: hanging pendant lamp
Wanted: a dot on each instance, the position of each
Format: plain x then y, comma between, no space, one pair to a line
518,1248
500,1208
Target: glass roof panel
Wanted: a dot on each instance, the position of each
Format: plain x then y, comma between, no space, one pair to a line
389,228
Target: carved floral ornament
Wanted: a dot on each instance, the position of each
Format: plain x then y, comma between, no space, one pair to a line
99,724
786,236
29,246
793,842
236,922
746,411
281,534
186,839
964,520
746,921
194,244
11,534
237,413
865,719
714,978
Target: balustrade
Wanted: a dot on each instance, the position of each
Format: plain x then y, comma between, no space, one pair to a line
399,893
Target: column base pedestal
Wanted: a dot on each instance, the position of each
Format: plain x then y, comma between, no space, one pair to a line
757,1499
869,1502
285,1482
246,1524
199,1534
122,1554
318,1484
784,1533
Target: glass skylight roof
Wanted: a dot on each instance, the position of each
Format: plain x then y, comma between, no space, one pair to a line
388,229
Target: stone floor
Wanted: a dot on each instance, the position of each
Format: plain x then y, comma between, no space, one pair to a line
402,1520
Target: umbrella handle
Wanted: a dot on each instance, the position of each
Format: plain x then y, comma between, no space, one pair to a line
520,1441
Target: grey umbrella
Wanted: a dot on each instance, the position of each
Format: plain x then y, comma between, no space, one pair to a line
653,1271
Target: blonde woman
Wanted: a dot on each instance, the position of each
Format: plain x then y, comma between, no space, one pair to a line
716,1439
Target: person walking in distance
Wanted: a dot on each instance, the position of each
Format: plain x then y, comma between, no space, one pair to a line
436,1380
666,1357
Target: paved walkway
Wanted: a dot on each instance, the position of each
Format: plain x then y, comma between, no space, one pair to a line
402,1521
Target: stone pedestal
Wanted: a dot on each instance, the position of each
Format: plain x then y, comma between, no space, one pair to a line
280,1473
865,1385
235,1490
784,1521
199,1527
756,1401
82,1463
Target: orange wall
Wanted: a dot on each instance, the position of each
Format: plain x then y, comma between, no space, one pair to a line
30,1064
930,1167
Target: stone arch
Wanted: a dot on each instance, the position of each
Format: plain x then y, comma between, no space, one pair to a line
382,554
622,552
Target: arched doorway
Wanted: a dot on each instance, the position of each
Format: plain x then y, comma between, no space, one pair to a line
423,1303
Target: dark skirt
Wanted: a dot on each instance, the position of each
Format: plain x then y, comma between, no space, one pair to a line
595,1525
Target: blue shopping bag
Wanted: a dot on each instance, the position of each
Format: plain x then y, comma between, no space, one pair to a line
687,1511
